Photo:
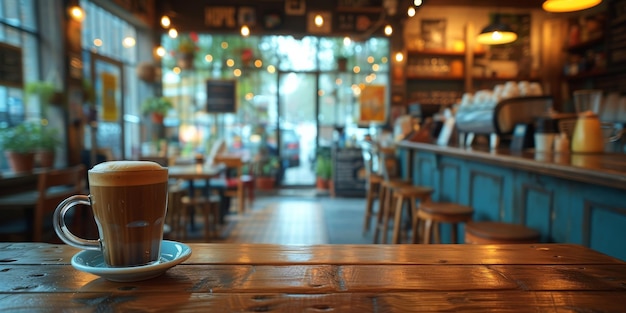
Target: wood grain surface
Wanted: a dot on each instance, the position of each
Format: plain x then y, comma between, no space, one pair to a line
326,278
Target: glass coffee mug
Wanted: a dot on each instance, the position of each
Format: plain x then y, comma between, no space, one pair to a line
129,203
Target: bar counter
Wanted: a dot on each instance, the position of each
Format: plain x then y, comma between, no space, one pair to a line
326,278
569,198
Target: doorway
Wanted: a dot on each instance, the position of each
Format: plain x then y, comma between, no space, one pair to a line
297,124
104,135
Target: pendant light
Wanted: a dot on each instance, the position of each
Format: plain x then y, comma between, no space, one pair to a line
568,5
496,34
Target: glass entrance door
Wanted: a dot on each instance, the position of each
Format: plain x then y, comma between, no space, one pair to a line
104,135
297,127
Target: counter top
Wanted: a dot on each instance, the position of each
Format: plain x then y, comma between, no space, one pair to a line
608,169
323,278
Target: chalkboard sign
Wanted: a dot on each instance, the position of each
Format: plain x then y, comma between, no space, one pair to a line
221,96
349,172
11,72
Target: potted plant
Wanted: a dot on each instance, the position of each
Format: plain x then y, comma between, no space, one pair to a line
157,107
47,139
45,93
323,171
19,144
186,50
265,170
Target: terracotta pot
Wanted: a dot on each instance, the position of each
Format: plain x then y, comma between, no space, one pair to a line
321,183
45,158
157,118
20,162
265,183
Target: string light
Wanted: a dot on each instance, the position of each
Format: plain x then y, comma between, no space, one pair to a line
388,30
245,31
165,21
319,20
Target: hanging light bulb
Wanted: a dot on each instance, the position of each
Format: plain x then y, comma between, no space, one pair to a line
388,30
417,3
411,11
173,33
76,13
245,31
399,57
319,20
569,5
128,42
165,21
160,51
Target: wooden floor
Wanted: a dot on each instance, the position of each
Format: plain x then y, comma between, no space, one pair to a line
295,217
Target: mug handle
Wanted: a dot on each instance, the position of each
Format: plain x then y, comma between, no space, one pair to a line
64,233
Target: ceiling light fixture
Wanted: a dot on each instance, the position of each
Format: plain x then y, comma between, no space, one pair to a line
569,5
496,34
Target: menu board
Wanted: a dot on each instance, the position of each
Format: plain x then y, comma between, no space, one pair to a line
349,172
11,72
221,96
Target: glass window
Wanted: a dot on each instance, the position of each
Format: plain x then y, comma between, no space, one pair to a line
18,28
104,34
288,88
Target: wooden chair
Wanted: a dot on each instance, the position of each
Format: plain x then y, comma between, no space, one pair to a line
53,187
237,183
210,207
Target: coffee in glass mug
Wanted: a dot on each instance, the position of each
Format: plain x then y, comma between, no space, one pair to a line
129,203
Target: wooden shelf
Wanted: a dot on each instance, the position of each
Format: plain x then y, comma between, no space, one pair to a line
585,75
441,52
581,47
513,78
433,77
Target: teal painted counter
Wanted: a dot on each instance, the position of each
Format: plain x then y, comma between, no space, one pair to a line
568,198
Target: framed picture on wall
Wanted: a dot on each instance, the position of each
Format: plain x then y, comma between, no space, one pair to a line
295,7
434,33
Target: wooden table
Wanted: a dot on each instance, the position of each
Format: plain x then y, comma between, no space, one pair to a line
327,278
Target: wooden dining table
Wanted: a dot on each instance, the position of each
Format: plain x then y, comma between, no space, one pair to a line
326,278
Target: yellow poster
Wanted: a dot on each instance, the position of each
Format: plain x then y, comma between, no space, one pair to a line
373,108
109,105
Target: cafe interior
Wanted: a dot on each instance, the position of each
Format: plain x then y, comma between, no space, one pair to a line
325,122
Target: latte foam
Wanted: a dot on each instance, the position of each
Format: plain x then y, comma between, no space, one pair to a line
127,173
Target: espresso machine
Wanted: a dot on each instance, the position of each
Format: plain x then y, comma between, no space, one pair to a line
499,121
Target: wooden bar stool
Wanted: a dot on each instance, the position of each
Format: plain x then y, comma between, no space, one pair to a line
386,203
372,189
410,194
435,213
499,233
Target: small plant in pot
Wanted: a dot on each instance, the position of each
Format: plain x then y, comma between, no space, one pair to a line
47,140
265,170
19,144
157,107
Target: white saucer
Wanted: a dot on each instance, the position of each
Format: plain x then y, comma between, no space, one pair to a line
91,261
